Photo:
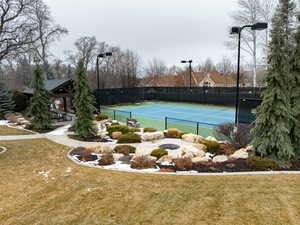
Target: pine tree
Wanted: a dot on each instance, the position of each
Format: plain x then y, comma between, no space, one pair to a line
40,102
295,91
6,102
274,116
84,105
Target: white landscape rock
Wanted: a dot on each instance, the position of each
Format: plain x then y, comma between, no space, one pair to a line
165,159
250,148
145,149
150,136
192,138
107,148
201,147
210,138
220,159
191,152
240,154
117,156
200,159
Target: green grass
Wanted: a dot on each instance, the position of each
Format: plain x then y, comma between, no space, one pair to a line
9,131
94,196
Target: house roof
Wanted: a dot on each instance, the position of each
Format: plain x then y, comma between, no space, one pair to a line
50,85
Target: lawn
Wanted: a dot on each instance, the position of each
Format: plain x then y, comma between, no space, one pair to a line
71,194
9,131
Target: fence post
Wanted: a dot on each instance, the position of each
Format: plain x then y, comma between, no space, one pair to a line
114,114
197,128
130,115
166,123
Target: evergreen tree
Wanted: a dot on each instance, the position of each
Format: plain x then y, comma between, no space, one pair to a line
40,102
295,91
84,105
274,116
6,102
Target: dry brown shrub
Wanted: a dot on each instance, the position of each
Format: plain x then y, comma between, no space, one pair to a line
86,155
106,159
143,162
183,164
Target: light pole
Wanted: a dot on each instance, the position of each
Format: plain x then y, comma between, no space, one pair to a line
190,68
102,55
238,30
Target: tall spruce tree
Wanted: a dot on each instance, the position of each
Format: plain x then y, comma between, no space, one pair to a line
295,90
40,102
84,105
6,102
274,117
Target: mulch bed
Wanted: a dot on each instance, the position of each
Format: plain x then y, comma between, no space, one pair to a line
46,131
239,165
90,139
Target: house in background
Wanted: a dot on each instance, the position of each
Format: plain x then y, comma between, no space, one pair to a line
199,79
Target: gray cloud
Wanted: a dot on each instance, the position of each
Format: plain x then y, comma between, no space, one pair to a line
166,29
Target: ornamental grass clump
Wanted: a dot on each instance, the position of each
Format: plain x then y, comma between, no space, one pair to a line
101,117
118,128
183,164
172,133
129,138
124,149
149,130
107,159
158,153
143,162
86,155
261,164
212,146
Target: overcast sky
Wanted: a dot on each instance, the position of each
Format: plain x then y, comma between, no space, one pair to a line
169,30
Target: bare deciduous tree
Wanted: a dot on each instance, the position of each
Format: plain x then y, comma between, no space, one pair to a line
47,33
16,27
225,66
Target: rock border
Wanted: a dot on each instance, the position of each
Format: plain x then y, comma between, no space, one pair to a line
4,149
186,173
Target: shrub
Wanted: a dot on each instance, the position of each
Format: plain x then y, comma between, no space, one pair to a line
129,138
212,146
119,128
149,130
262,164
124,149
132,130
86,155
158,153
182,164
239,139
172,133
106,159
115,124
100,117
143,162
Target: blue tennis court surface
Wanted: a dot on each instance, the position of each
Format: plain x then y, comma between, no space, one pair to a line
205,114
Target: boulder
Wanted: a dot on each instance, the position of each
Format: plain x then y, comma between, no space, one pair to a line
220,159
210,138
151,136
240,154
192,138
117,156
201,147
107,148
144,149
250,148
165,159
192,152
116,134
200,159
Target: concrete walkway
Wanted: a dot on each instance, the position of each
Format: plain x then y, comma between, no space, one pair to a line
58,136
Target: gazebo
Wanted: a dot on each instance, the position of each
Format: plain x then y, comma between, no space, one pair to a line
59,90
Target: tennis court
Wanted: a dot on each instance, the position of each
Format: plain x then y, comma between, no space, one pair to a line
179,115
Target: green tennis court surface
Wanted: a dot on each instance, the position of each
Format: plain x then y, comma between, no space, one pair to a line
153,114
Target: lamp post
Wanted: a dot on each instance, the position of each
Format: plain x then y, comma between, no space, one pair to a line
238,30
190,68
102,55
